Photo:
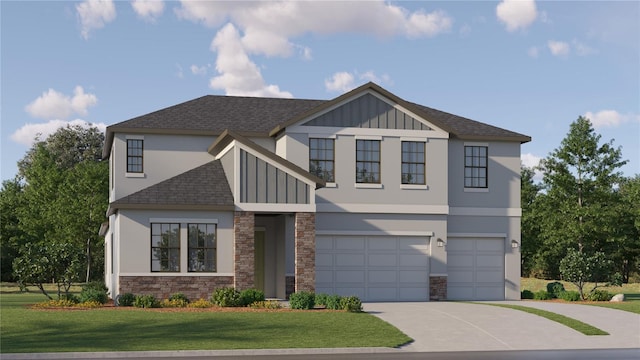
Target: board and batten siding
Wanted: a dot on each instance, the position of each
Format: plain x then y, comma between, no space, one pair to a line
368,111
261,182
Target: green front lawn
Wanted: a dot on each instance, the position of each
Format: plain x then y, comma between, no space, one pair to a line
31,330
633,305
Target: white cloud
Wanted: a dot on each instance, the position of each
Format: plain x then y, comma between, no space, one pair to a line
610,118
95,14
340,81
198,70
238,74
532,161
148,10
558,48
28,133
533,51
517,14
267,28
345,81
179,72
52,104
582,49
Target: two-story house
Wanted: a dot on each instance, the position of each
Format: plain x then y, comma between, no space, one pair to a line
365,194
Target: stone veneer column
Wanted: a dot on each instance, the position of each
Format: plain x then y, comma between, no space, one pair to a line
438,288
305,252
244,249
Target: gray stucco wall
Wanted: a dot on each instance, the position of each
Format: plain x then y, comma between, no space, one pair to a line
134,239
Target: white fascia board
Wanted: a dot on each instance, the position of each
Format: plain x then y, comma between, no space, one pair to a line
479,211
476,235
176,274
383,208
183,220
275,207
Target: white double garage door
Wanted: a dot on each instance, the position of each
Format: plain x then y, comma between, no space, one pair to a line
396,268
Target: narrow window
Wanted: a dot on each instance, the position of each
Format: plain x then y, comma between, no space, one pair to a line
413,162
368,161
475,166
322,158
165,247
202,247
134,155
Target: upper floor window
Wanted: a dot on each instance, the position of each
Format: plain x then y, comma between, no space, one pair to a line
413,162
202,247
475,166
165,247
368,161
134,155
322,158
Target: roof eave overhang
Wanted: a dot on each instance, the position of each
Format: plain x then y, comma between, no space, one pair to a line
114,207
521,138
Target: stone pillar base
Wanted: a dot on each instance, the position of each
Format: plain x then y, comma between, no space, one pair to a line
194,287
437,288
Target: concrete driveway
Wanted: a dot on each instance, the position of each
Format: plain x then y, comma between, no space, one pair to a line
455,326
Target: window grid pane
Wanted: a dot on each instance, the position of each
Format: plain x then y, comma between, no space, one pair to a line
134,155
368,161
413,162
322,158
165,247
475,166
202,249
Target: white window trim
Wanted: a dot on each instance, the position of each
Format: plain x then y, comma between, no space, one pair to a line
331,185
130,174
476,190
369,186
414,187
135,175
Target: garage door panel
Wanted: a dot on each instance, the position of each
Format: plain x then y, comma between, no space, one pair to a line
414,260
475,269
374,268
417,276
350,260
381,276
349,243
382,243
382,260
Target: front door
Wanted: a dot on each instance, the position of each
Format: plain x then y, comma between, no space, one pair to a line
259,236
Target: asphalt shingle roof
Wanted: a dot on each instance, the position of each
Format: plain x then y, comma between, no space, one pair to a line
204,187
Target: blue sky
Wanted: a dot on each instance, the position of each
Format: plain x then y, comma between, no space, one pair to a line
531,67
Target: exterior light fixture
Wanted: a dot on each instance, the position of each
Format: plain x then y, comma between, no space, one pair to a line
514,244
440,242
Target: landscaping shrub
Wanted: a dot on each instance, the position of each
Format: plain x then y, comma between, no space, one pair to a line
226,297
334,302
542,295
70,297
302,300
321,299
569,296
90,304
599,295
55,303
526,294
125,299
351,304
175,303
201,304
180,297
145,301
555,288
94,293
266,304
249,296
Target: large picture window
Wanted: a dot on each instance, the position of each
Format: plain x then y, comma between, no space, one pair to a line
165,247
475,167
413,162
322,158
134,155
202,247
368,161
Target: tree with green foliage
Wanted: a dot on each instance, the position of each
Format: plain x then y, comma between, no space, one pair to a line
63,195
579,268
624,249
577,204
10,234
56,262
530,224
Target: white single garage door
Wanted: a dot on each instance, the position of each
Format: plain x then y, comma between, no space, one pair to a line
374,268
475,269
